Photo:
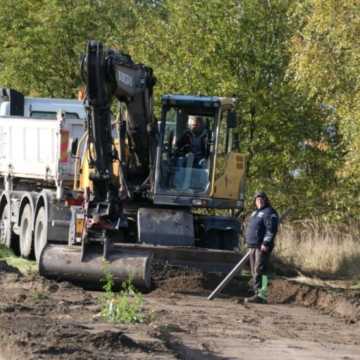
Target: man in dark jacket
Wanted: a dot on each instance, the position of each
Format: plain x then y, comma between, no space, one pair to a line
192,156
260,235
195,140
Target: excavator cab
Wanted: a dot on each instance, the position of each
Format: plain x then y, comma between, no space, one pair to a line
198,162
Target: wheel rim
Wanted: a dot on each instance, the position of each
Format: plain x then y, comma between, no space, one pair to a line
24,231
26,238
40,235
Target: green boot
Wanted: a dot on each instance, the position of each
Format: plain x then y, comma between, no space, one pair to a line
263,291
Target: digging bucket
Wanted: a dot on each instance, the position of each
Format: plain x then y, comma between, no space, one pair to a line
62,262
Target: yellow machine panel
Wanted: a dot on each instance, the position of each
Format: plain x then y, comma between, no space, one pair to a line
228,182
82,171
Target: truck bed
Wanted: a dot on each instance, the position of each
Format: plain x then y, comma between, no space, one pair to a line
38,149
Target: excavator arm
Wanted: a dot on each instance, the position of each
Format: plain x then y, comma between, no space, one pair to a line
99,222
109,74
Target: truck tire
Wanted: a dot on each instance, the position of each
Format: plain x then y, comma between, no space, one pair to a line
5,228
25,237
41,232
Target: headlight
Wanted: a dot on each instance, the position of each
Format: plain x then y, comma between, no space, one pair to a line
199,202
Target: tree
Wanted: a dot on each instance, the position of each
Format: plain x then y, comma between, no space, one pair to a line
42,41
241,49
325,63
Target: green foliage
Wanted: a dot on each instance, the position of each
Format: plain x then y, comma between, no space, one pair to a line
41,42
325,63
293,67
24,266
242,49
39,296
5,253
123,307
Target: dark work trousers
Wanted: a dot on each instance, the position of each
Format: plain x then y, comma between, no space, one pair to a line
259,261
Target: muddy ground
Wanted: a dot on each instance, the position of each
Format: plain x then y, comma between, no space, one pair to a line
42,319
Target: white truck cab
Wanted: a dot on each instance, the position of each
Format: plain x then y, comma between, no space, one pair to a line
13,103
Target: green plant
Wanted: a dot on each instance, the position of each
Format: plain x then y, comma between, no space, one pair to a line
24,266
38,296
123,307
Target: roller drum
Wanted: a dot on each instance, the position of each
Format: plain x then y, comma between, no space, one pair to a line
63,262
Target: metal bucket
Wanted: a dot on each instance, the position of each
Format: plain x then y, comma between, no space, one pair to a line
63,262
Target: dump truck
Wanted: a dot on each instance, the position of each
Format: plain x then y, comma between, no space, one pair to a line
140,191
36,168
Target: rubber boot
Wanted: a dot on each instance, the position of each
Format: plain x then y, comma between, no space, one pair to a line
263,291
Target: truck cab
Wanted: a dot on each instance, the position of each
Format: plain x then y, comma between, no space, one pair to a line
14,103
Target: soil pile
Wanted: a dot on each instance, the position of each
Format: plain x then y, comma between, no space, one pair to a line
171,279
336,302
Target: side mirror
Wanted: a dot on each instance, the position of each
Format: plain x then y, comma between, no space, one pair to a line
74,146
231,120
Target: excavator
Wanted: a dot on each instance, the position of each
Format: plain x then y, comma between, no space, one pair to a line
143,193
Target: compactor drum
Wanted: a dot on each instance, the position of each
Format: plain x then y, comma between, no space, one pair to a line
65,262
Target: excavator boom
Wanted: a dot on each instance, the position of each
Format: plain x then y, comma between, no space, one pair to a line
107,74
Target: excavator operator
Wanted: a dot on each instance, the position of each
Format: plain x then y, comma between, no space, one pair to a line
193,153
195,140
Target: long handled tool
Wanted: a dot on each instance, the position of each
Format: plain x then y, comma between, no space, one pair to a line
229,276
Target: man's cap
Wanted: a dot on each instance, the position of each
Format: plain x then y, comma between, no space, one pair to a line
261,194
196,121
195,118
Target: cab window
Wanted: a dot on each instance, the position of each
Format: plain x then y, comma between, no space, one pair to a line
51,115
186,149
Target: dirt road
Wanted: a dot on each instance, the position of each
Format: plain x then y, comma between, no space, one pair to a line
41,319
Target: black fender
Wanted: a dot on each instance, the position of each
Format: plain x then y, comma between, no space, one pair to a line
45,198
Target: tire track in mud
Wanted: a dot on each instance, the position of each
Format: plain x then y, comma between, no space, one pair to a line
182,351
